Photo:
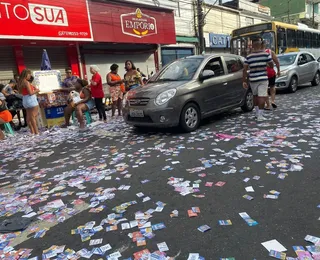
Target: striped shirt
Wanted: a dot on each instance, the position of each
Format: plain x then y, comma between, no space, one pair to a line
257,62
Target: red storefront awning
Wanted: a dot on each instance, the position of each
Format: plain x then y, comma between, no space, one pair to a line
127,23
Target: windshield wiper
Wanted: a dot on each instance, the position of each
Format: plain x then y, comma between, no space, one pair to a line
166,79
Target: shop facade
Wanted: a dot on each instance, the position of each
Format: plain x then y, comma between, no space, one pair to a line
79,33
28,27
127,31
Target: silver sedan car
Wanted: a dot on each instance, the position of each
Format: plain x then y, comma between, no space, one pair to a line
297,68
188,90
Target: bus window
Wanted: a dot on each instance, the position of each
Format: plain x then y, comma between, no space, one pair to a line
314,40
292,38
307,40
281,33
300,39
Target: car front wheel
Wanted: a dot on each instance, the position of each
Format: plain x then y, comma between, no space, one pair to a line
190,117
248,102
316,79
293,86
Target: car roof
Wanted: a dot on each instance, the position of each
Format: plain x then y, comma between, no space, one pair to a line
210,55
295,53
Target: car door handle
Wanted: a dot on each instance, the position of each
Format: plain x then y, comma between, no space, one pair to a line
225,84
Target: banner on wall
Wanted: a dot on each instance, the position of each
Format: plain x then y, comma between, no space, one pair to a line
131,24
45,20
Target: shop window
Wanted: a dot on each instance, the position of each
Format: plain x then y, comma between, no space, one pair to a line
170,54
233,64
292,38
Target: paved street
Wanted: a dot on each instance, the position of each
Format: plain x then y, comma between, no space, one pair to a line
113,163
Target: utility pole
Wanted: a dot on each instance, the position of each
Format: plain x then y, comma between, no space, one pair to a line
313,5
288,11
200,25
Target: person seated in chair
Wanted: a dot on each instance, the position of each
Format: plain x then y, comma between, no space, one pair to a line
5,115
14,102
80,101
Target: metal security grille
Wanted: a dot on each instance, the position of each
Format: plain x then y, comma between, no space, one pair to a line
8,65
57,55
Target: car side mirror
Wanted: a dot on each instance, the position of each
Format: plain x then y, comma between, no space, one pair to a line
206,74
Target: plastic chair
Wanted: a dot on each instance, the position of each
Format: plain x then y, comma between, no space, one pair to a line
87,114
8,129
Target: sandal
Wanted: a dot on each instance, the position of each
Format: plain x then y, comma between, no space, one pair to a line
274,105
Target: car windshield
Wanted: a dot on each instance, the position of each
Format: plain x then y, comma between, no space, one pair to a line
286,60
183,69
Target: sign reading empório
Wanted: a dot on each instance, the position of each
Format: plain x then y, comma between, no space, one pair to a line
138,24
45,19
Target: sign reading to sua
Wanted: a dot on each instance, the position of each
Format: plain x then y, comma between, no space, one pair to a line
138,24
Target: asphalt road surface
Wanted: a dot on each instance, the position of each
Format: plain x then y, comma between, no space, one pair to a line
113,163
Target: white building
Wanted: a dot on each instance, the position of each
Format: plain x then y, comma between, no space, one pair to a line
221,20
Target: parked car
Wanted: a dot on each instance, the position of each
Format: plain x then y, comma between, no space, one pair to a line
297,68
188,90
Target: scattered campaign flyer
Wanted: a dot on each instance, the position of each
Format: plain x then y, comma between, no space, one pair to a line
248,219
225,222
162,247
204,228
278,255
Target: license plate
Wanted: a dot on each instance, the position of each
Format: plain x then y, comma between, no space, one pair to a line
136,113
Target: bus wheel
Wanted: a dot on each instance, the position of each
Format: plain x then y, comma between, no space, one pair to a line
316,79
293,86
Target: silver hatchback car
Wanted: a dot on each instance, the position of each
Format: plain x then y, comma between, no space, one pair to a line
297,68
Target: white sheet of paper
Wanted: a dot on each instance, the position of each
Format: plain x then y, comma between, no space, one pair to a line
249,189
76,99
47,81
274,245
30,215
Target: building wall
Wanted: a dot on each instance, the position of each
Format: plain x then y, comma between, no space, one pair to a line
254,8
221,20
184,14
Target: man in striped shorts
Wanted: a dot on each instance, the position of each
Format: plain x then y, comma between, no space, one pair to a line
257,63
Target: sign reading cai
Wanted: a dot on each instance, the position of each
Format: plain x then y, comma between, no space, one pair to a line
45,19
219,40
138,24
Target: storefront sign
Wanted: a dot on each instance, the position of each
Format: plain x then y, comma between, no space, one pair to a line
264,9
112,22
138,24
219,40
45,19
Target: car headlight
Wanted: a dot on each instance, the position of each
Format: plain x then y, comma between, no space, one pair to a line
165,96
284,73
